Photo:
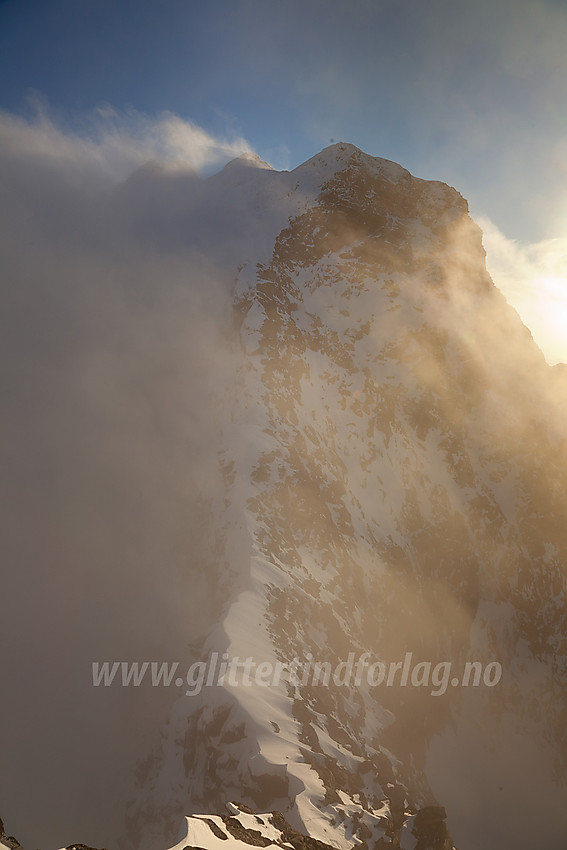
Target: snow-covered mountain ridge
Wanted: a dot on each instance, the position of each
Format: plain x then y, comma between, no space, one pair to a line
391,466
393,482
243,828
384,493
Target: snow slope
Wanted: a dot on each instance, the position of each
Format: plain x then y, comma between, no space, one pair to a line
392,454
393,483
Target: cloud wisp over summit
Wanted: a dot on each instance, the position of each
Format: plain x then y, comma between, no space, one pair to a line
112,352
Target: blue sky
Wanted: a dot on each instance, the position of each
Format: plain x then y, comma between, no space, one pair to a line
471,93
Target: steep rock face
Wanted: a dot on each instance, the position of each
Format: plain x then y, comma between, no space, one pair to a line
393,463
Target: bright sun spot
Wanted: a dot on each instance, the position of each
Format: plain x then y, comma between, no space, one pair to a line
554,304
533,279
543,307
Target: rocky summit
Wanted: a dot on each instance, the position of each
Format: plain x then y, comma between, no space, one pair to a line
392,452
385,548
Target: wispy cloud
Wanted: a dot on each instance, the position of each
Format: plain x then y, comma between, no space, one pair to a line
112,144
112,352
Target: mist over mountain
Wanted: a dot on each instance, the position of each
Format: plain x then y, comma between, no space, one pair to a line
276,416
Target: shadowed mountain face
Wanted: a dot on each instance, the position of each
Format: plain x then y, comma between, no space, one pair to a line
381,500
392,454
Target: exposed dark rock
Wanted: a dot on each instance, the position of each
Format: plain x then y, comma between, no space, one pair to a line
250,836
296,839
215,829
430,829
81,847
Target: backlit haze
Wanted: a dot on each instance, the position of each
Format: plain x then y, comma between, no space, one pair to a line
471,94
113,343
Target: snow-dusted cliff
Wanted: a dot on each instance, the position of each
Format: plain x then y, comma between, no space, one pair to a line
393,462
364,478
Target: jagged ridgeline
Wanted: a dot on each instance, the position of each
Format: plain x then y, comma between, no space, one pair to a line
393,458
391,450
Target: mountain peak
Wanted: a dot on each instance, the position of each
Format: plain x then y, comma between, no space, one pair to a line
248,159
341,155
